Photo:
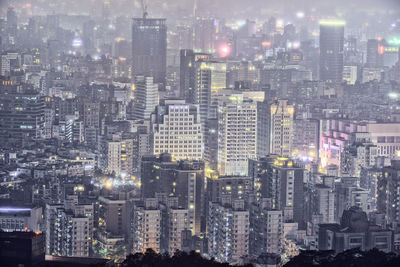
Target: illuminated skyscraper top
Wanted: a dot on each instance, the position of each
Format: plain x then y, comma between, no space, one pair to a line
331,42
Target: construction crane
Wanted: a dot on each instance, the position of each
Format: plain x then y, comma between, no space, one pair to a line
144,9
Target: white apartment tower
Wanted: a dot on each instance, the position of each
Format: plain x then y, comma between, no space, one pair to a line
237,134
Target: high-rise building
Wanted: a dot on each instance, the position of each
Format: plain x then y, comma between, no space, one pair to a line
188,59
237,134
389,192
331,43
178,223
147,226
118,155
375,51
149,49
210,80
228,231
205,30
266,229
21,115
112,227
281,180
145,95
181,179
12,26
325,203
176,129
281,128
69,228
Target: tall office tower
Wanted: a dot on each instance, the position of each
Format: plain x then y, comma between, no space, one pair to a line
267,226
205,30
281,128
182,179
237,134
389,192
54,54
12,26
210,80
88,34
188,59
176,129
118,155
69,228
282,181
149,49
331,44
375,51
147,226
21,116
228,231
145,95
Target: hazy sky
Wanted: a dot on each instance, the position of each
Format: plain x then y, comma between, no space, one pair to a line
221,8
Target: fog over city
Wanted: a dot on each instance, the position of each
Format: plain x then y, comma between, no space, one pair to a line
199,133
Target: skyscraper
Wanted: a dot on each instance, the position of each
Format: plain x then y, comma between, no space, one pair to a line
181,179
210,80
281,180
188,58
281,128
375,50
149,49
331,43
237,134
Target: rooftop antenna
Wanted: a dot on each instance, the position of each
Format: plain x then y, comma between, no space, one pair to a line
144,9
194,8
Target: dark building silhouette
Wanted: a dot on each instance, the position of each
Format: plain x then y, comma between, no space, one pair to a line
149,49
331,43
22,249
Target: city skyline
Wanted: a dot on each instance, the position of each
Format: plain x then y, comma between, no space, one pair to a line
249,133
